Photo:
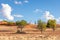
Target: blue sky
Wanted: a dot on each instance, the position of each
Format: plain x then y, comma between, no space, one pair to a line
29,10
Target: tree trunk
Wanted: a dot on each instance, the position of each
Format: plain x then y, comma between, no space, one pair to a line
41,31
18,31
21,28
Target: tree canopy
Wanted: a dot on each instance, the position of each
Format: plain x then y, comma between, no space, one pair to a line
41,25
51,24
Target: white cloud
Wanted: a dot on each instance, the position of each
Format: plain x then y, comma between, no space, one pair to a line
21,2
18,2
37,10
6,11
26,1
48,15
19,16
1,19
58,20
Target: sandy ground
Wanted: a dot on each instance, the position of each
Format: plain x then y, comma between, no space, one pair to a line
30,34
28,37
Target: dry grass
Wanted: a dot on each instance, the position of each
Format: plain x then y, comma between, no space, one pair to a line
31,34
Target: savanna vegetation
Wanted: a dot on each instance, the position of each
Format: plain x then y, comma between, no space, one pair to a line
21,25
41,25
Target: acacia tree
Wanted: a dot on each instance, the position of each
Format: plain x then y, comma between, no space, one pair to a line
21,24
41,25
35,23
51,24
11,23
5,21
